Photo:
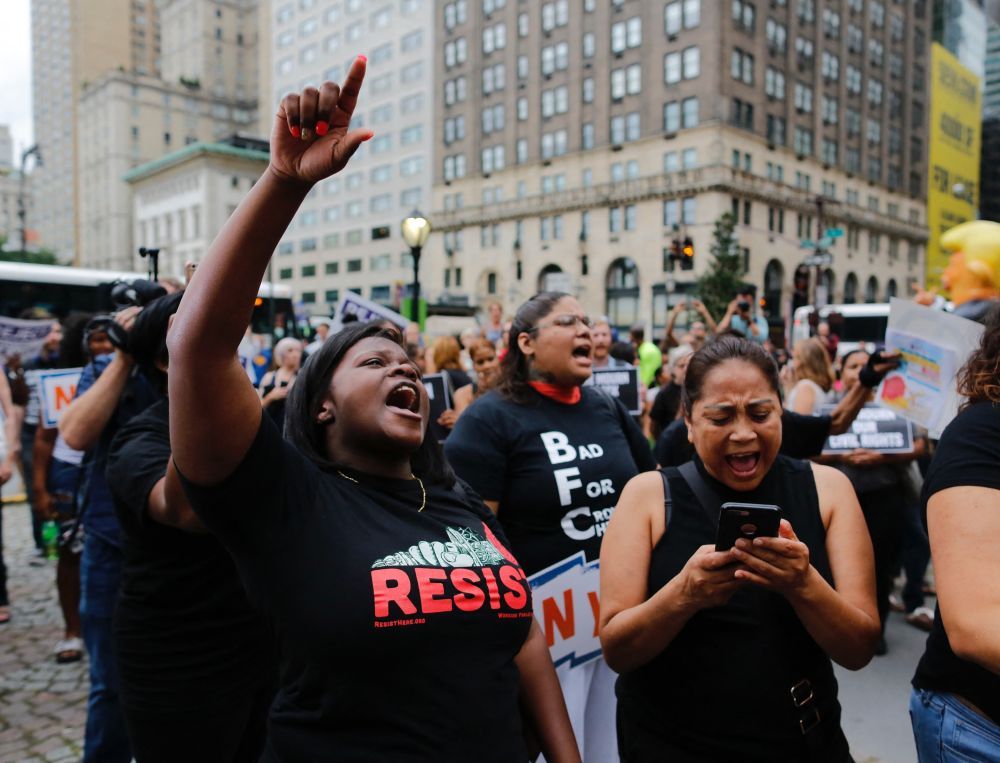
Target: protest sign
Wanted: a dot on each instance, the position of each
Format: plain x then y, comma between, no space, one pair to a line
56,390
623,383
364,310
934,345
567,606
439,393
875,428
22,337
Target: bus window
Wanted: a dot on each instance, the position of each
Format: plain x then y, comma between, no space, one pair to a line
284,318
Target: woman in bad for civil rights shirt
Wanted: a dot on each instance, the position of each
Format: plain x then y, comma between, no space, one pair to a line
404,622
551,457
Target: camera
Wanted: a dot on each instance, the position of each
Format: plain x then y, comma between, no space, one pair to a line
136,293
743,305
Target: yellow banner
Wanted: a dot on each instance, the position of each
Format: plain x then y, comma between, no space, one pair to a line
955,133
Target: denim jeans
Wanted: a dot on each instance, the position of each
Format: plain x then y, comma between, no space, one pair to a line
946,731
106,739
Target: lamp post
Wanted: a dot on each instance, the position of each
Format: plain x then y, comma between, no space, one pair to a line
415,228
22,212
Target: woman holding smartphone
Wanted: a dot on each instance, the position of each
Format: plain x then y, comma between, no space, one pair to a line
404,622
726,654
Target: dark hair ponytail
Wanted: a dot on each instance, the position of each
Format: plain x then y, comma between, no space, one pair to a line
515,369
306,398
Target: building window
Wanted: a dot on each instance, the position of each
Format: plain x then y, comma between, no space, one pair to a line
803,98
494,38
555,58
555,15
626,34
803,144
777,36
741,65
744,15
587,136
776,130
829,152
555,101
774,84
742,114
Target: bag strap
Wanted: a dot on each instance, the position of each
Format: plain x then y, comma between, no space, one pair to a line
666,500
707,497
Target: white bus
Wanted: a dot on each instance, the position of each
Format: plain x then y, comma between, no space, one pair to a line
63,290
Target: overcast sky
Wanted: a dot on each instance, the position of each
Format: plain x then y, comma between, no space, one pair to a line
15,72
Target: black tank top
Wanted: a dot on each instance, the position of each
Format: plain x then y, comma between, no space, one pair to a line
721,689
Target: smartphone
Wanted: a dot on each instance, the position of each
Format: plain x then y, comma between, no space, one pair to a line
746,520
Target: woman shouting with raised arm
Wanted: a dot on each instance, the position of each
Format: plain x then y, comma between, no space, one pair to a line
404,621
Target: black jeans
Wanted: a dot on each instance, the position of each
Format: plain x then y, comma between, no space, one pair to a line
884,510
915,555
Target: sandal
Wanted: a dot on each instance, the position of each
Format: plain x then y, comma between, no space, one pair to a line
4,615
69,650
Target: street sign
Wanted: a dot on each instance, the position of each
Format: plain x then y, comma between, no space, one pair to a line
824,258
807,243
824,242
834,233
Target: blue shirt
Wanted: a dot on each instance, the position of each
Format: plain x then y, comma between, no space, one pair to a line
96,504
743,327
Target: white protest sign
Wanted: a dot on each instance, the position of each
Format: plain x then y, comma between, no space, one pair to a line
56,390
567,607
23,338
934,346
365,310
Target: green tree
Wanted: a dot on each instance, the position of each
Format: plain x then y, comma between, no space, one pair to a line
39,257
719,283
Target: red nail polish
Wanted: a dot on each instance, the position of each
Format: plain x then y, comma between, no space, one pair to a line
322,128
363,59
295,130
369,136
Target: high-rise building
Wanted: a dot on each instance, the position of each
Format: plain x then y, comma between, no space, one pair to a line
347,235
6,148
127,120
73,43
577,141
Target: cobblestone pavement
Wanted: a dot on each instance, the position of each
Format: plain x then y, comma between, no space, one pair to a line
43,705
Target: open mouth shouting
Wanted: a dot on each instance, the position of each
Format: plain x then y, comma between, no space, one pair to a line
743,465
582,353
404,398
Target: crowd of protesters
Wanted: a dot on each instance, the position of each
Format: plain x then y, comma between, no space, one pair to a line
300,571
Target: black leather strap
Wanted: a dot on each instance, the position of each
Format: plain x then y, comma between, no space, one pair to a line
666,500
707,497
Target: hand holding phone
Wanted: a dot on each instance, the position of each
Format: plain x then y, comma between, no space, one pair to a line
748,521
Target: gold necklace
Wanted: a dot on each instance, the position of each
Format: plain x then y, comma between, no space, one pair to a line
423,492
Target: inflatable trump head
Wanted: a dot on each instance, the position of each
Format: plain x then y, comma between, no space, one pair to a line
973,271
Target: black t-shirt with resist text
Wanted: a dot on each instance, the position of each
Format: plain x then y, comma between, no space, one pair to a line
967,455
398,628
185,631
557,469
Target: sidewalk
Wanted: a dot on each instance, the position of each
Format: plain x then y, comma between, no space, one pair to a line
43,705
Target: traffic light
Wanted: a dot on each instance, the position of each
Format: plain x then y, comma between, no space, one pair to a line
687,254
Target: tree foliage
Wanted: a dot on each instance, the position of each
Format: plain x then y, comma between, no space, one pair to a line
37,257
719,283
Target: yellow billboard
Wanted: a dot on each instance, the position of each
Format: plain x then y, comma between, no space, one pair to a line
955,133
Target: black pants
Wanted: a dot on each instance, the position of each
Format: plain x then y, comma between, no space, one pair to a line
884,514
4,601
232,731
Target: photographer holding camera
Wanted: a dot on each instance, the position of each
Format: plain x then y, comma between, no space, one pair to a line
110,393
741,316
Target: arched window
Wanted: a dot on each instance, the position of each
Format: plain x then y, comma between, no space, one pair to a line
871,290
850,289
549,281
828,281
774,279
891,289
622,293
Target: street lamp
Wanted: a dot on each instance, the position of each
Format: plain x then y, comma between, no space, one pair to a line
22,212
415,228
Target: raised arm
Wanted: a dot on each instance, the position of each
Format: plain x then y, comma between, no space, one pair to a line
710,323
214,410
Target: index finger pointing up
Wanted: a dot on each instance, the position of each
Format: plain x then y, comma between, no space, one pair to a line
351,87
